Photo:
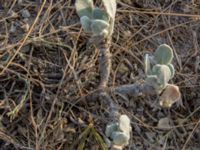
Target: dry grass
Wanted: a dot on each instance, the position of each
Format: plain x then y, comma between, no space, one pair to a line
46,67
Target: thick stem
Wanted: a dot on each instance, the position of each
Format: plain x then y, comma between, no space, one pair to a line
103,45
104,64
131,90
134,90
112,107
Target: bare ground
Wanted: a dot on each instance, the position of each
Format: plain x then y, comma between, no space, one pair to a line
46,68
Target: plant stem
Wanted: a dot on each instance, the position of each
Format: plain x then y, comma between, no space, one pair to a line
104,64
113,108
131,90
134,90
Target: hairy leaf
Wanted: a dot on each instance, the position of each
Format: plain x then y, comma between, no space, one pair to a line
98,26
120,138
147,68
100,14
111,7
86,23
124,124
152,80
84,8
163,74
163,54
111,128
171,67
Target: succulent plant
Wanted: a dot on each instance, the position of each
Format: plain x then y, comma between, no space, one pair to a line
95,20
120,138
163,54
111,128
119,132
158,73
163,74
171,67
84,8
86,23
100,14
99,26
162,70
124,124
110,6
147,65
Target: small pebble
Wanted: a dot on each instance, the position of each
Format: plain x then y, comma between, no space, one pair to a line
12,28
25,13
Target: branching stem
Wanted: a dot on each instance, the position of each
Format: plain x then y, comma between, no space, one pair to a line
132,90
104,63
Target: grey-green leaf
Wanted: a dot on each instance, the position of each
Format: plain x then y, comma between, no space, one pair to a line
163,73
164,54
84,8
171,67
86,23
100,14
152,80
147,67
120,138
110,129
124,124
111,7
98,26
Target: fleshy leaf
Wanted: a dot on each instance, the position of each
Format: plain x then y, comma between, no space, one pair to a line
171,67
147,65
111,128
84,8
120,138
104,32
111,7
124,124
152,80
100,14
86,23
164,54
163,74
98,26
